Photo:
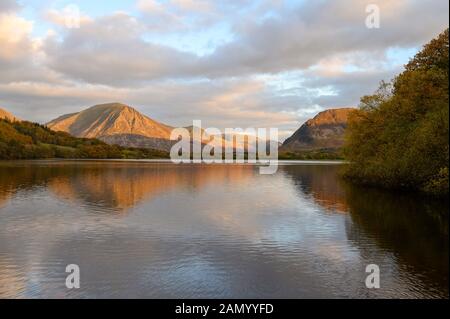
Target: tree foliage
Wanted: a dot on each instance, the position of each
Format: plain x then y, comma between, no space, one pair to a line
26,140
399,136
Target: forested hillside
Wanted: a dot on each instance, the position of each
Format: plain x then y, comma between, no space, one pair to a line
25,140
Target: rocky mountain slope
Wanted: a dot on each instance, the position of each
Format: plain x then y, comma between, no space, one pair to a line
120,124
115,123
324,131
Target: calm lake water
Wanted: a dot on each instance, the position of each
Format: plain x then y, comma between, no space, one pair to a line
159,230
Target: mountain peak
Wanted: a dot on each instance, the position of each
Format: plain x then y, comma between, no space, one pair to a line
105,121
331,116
324,131
110,106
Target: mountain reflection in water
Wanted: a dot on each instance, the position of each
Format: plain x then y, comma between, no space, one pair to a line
158,230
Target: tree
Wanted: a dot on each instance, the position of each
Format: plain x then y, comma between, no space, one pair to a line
398,138
26,140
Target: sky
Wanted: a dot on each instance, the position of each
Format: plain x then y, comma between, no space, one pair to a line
247,63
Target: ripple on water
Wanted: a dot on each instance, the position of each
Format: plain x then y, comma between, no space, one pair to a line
167,231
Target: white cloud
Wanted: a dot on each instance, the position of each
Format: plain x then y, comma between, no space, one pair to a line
14,37
64,17
151,6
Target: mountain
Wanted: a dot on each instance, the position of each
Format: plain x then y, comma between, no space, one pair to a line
324,131
26,140
115,123
8,116
120,124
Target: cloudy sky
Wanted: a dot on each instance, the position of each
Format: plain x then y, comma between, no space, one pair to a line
247,63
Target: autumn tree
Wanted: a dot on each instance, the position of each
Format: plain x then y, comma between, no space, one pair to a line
399,137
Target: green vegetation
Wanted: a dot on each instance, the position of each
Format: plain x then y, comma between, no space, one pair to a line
399,137
322,154
25,140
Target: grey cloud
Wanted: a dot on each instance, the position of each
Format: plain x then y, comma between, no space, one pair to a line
349,87
111,50
321,29
8,6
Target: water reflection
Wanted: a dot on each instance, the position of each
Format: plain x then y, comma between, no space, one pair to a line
413,229
119,187
161,230
319,182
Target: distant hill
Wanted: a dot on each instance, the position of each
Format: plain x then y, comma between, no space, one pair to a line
115,123
324,132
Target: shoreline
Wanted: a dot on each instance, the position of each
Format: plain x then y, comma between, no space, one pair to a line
169,161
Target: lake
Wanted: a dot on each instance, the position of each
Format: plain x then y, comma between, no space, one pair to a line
144,229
